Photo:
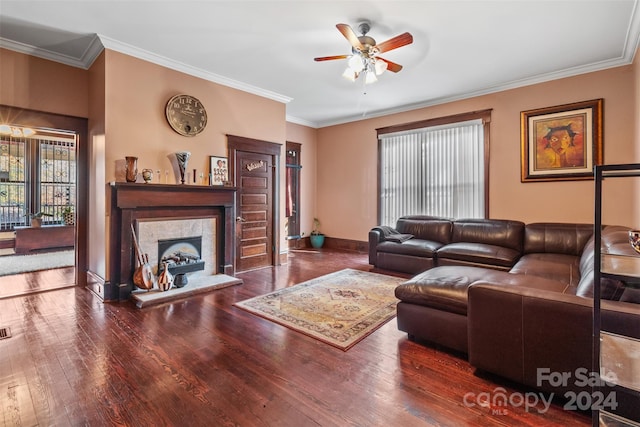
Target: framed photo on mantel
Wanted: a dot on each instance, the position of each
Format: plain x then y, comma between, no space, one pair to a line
219,170
561,143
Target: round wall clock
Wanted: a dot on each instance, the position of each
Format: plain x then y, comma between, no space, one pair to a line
186,115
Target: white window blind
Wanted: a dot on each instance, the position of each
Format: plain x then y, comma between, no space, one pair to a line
433,171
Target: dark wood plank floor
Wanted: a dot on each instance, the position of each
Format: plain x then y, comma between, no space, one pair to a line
72,360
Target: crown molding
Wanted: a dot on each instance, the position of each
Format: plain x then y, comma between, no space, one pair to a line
127,49
514,84
83,61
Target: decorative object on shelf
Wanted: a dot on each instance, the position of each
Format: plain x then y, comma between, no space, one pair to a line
183,159
143,276
186,115
131,168
316,238
68,216
147,175
219,170
634,239
180,280
561,143
36,218
165,279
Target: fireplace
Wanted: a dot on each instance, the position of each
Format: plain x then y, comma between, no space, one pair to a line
173,212
182,255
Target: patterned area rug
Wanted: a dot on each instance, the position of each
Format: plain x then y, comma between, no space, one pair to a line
340,308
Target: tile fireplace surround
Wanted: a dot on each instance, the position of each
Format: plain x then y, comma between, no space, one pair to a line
142,204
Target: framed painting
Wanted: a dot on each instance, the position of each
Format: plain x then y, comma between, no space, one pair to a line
561,143
219,170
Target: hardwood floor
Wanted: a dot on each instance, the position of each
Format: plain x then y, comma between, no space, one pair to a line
72,360
37,281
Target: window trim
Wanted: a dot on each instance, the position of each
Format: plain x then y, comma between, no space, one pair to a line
484,115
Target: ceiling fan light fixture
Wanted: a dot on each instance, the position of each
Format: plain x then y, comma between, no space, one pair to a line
350,75
356,64
380,66
370,77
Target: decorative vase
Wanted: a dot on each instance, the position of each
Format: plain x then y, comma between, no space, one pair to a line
180,280
183,159
36,222
165,279
131,168
69,218
147,175
317,240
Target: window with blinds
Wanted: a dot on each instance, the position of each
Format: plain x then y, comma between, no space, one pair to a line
435,170
37,173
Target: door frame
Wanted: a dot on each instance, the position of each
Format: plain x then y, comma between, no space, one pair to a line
240,143
79,125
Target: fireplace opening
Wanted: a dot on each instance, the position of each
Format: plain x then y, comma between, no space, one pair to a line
182,255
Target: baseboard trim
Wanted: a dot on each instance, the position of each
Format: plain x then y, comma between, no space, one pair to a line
332,243
346,244
96,284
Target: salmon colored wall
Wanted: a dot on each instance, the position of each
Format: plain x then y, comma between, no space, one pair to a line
347,156
308,138
136,95
38,84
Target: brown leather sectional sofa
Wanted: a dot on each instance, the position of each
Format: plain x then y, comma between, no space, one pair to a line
515,297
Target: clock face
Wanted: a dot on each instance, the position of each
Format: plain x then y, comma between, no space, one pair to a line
186,115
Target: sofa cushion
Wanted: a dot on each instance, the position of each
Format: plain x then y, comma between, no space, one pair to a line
414,247
555,266
559,238
424,227
615,240
496,232
445,288
477,254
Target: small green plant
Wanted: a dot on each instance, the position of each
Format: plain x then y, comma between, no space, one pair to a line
316,227
67,210
38,215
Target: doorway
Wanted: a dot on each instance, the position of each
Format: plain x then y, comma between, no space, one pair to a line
292,193
45,171
254,166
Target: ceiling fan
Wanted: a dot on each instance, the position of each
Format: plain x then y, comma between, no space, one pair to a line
364,58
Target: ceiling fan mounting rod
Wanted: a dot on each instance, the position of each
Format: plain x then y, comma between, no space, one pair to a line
364,27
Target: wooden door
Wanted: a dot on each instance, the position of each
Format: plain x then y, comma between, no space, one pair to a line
254,222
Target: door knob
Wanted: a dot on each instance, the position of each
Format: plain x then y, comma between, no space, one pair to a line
240,219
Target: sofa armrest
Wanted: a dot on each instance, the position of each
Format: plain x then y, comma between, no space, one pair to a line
376,235
521,333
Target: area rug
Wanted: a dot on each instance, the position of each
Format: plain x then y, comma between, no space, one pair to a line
340,308
14,264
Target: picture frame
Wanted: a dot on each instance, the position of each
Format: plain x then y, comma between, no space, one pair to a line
561,143
218,170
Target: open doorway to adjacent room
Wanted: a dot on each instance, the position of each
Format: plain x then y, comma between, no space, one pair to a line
38,205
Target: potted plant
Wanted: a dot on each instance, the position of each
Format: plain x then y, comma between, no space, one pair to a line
316,238
68,216
36,218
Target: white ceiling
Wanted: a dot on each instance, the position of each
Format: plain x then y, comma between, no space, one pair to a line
460,49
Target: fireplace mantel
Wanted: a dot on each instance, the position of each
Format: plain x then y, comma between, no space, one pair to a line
131,202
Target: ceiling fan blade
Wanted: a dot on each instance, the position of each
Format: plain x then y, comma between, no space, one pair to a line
330,58
391,66
350,35
395,42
